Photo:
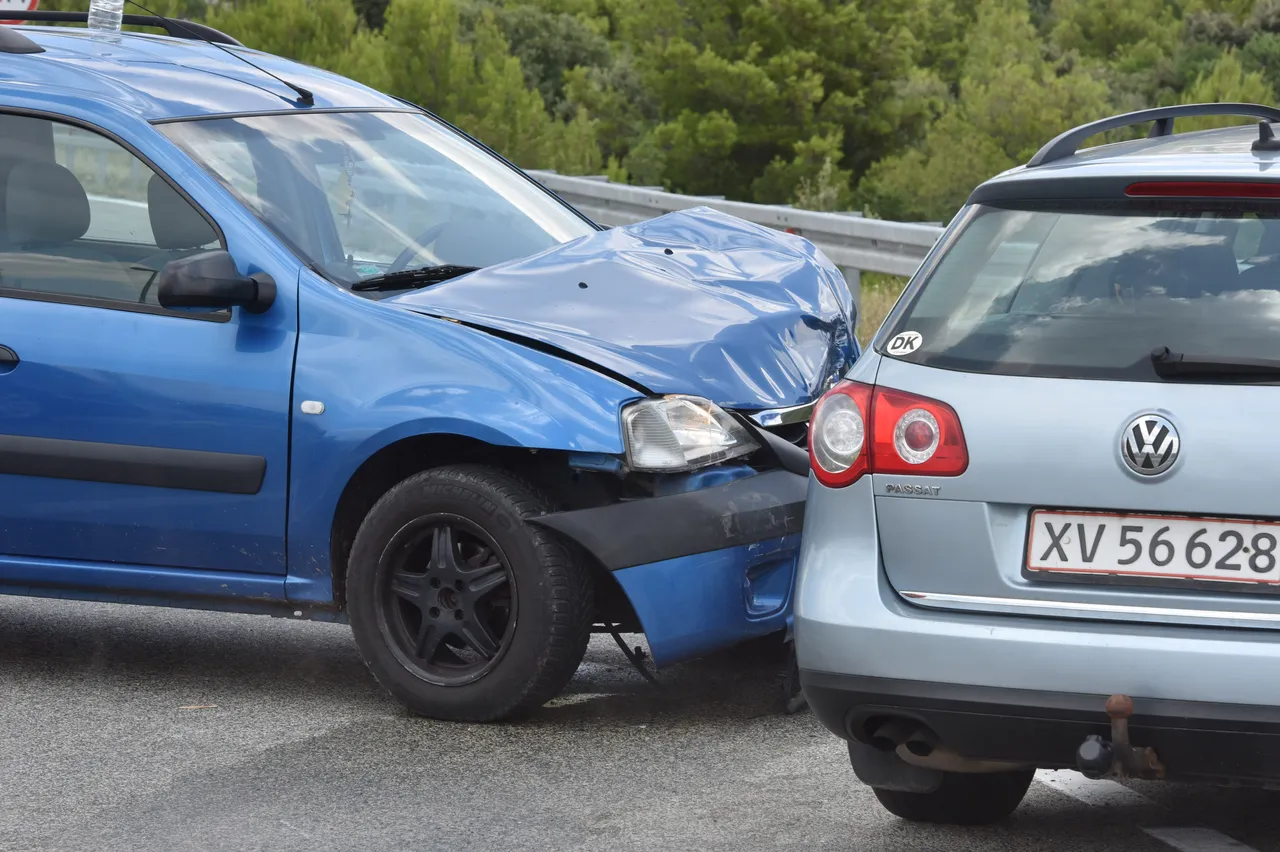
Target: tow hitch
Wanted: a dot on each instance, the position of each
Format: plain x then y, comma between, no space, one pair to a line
1117,758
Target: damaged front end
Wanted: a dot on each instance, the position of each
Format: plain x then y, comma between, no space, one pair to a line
706,558
695,302
728,332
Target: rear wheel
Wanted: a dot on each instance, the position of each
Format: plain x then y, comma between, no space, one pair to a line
962,799
460,609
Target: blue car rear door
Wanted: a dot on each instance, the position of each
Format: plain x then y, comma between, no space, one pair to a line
130,434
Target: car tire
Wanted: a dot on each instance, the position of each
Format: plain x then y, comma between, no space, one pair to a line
433,620
962,799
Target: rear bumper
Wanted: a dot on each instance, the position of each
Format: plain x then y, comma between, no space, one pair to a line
703,569
850,623
1195,740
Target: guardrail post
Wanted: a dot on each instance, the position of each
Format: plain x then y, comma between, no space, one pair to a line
853,277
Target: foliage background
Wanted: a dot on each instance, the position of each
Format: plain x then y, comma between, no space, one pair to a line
896,108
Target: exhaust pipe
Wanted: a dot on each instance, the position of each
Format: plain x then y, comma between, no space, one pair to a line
923,750
921,743
893,733
917,745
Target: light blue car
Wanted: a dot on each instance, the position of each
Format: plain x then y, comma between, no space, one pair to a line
1042,529
273,342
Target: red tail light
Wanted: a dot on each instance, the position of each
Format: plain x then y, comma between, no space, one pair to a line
915,436
1203,189
858,429
839,434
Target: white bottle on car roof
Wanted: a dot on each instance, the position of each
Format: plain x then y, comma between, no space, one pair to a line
105,16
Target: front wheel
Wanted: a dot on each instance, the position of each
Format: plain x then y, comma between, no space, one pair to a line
461,609
962,798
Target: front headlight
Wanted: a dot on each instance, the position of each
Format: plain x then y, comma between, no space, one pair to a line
680,432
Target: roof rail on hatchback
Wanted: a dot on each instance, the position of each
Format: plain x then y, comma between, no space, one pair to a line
176,28
1065,144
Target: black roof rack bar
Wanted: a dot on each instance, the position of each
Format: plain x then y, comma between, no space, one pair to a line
1065,144
176,28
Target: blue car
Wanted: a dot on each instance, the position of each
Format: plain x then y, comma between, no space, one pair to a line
273,342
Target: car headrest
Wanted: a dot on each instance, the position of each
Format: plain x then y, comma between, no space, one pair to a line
1181,272
6,166
1205,270
44,204
175,224
1269,242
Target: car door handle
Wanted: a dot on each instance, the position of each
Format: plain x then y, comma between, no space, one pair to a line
8,359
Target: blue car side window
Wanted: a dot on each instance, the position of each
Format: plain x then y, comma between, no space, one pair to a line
84,220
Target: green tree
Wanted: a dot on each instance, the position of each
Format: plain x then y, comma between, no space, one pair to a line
911,102
549,44
1010,103
1105,29
1262,54
1228,81
316,32
431,66
617,99
739,84
472,80
811,179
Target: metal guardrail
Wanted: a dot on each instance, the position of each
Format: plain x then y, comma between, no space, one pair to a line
853,243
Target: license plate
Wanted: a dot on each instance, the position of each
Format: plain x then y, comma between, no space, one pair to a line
1162,546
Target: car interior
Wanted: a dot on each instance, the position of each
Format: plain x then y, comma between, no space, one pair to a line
58,239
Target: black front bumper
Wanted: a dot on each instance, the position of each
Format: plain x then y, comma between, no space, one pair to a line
1194,740
654,529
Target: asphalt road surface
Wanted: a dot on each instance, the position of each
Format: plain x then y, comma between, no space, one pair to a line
129,728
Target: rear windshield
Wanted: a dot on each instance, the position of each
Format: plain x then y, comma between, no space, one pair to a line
1089,292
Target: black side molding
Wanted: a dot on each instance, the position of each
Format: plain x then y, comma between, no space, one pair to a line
127,464
651,529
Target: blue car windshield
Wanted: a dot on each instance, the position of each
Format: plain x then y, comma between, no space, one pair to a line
359,194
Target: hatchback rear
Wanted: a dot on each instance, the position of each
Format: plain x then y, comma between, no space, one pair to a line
1054,483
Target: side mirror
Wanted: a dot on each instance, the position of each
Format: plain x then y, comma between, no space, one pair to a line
210,280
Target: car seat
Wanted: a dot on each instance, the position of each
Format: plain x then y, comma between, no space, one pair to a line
45,213
177,228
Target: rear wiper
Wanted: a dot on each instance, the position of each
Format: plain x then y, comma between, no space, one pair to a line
412,279
1177,365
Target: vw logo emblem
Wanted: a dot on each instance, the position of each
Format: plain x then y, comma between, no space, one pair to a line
1149,445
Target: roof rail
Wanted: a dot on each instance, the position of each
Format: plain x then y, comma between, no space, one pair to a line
176,28
1065,144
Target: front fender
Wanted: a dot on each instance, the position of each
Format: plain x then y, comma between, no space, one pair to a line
383,373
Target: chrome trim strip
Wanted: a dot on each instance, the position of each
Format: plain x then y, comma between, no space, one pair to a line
782,416
1024,604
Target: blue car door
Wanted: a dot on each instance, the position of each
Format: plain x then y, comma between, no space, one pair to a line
130,435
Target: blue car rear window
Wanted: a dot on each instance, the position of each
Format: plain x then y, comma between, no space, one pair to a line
1090,292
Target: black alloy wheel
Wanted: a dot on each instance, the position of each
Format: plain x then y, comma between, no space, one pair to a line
448,599
461,608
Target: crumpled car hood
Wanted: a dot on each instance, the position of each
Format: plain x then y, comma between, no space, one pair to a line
693,302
